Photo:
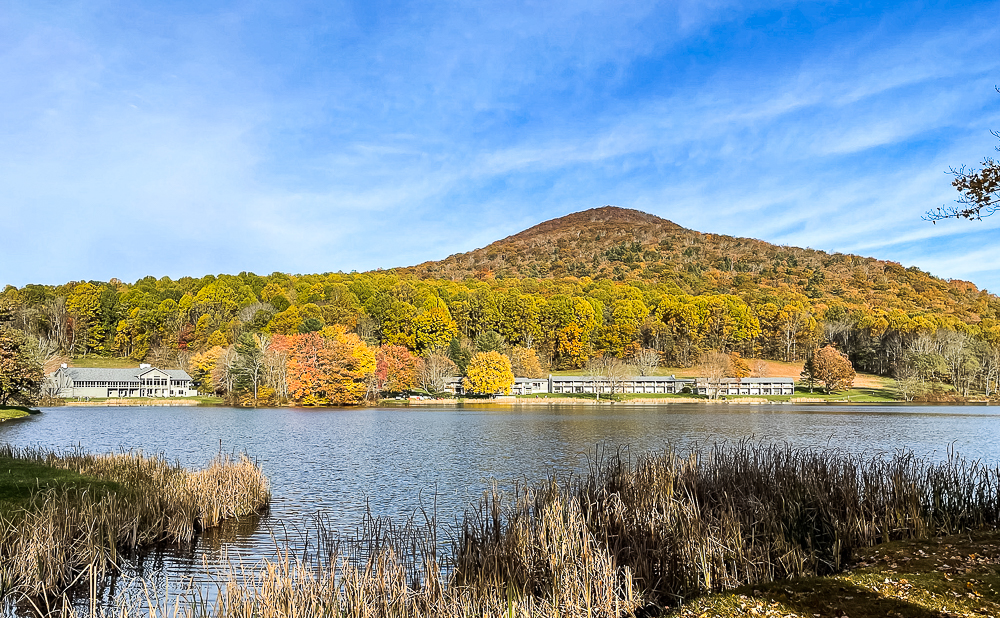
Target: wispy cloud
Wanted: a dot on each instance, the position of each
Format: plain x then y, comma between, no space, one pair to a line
313,136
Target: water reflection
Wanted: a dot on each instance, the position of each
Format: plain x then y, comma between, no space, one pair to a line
344,463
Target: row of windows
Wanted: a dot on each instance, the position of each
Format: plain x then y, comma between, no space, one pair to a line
107,384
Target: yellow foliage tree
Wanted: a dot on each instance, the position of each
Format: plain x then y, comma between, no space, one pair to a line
489,373
287,322
524,363
201,367
434,328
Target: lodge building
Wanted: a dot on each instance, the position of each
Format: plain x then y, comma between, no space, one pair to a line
142,381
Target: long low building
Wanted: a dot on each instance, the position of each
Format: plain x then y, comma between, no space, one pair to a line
667,385
142,381
587,384
745,386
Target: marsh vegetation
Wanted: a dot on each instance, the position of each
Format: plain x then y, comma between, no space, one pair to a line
69,517
632,535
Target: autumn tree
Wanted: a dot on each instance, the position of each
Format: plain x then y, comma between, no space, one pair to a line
715,366
627,316
524,362
569,323
202,367
86,306
434,371
20,373
739,368
332,368
645,361
833,369
434,327
488,373
396,369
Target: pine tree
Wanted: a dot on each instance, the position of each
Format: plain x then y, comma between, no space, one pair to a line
808,375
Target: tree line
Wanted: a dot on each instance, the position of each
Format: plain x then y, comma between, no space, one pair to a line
379,332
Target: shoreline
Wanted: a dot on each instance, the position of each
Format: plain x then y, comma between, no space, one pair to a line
132,403
521,401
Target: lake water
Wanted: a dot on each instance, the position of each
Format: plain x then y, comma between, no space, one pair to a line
340,462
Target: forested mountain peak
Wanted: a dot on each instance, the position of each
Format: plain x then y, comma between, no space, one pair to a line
631,246
607,219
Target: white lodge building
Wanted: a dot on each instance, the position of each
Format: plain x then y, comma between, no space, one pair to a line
142,381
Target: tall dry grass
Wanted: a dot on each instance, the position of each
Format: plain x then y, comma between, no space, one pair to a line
726,516
68,533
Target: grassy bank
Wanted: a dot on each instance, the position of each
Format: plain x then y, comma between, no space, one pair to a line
65,516
21,478
12,412
933,578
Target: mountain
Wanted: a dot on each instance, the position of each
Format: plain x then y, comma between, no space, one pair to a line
629,245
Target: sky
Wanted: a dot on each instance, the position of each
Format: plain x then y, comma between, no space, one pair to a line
186,138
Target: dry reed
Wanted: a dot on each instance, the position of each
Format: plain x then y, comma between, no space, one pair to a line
727,516
68,533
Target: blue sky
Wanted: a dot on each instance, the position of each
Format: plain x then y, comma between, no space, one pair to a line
185,138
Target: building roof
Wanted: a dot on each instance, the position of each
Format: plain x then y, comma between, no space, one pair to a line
753,380
100,374
625,379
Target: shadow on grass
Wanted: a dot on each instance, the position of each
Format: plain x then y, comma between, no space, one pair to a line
836,597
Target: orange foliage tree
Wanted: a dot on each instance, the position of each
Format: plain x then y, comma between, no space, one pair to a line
738,366
331,368
396,369
833,369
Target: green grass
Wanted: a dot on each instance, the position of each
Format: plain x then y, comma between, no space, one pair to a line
587,396
103,362
20,478
620,397
946,576
9,412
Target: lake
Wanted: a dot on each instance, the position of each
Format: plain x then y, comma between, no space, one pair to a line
393,461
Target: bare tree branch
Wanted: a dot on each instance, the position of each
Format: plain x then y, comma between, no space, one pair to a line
979,189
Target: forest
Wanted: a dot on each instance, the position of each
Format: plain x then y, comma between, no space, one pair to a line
645,285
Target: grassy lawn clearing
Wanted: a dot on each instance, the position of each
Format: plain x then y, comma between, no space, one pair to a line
19,478
7,413
936,578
